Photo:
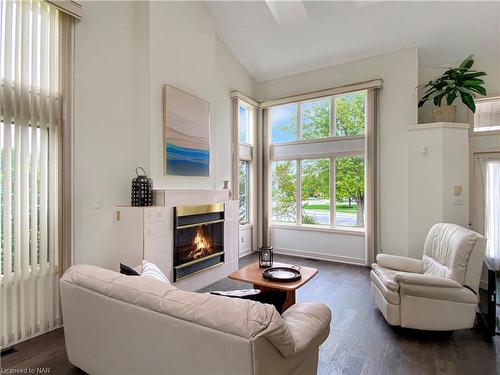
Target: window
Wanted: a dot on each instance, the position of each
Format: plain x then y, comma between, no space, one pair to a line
323,183
244,188
283,121
340,115
315,119
350,114
315,191
349,191
244,124
284,191
487,116
31,77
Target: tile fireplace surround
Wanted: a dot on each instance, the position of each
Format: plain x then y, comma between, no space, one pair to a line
147,233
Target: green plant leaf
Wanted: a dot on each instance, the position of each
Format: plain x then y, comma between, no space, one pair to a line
479,89
468,101
471,74
451,96
438,98
467,63
473,82
467,91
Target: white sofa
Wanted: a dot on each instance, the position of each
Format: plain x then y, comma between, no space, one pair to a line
116,324
439,292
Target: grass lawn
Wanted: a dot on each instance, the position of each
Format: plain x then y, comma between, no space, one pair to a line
340,207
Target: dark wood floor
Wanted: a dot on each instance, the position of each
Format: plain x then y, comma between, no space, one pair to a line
360,341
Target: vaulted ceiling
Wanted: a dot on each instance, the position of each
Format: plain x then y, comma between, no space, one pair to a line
273,39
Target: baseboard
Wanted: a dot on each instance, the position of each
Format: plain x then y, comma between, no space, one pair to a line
245,253
320,256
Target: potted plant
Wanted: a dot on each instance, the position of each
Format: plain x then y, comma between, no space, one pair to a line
454,82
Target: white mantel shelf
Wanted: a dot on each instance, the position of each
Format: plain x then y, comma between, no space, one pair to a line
439,125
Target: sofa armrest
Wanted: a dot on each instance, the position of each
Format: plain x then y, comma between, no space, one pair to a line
399,263
308,324
426,280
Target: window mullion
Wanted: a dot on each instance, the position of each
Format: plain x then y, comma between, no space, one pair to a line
333,117
332,193
299,122
299,192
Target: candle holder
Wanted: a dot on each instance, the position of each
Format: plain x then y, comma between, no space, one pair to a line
265,256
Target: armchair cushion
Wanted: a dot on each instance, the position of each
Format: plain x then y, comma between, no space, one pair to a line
461,294
399,263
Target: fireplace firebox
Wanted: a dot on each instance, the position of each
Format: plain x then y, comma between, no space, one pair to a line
198,238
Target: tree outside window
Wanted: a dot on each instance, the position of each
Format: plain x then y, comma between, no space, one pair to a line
284,191
243,198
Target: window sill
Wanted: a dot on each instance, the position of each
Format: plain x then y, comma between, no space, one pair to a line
320,228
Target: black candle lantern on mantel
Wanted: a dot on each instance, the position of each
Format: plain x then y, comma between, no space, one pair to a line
142,189
265,256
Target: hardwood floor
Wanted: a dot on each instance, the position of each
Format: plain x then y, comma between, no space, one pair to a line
360,341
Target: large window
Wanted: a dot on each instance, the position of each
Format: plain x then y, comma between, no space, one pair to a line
326,188
30,132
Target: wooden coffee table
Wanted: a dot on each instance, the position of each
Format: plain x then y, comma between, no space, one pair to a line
253,274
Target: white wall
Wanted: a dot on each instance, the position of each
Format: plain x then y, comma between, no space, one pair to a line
125,53
397,111
109,138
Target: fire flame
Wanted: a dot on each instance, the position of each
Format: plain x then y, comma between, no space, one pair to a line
201,244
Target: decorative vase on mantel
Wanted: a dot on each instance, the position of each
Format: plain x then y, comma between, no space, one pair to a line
447,113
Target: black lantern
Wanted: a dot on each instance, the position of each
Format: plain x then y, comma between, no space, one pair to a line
142,189
266,256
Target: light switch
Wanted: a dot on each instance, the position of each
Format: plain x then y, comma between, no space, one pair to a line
97,202
457,201
457,190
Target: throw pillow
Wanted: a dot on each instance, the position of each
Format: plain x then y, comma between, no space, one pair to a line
129,271
152,271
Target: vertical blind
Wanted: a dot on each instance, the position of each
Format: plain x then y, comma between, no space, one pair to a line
30,110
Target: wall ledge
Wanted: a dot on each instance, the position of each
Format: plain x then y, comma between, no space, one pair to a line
439,125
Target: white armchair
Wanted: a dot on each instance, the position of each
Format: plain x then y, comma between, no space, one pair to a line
439,292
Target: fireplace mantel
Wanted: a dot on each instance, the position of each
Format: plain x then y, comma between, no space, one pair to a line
147,233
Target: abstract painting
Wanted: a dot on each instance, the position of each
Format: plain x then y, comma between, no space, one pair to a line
186,133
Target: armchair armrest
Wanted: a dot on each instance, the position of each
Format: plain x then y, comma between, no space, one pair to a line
399,263
308,324
426,280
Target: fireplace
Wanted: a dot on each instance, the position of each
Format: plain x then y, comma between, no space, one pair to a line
198,238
